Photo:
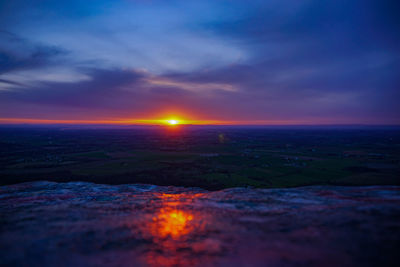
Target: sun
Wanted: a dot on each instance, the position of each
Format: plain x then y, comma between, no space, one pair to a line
172,122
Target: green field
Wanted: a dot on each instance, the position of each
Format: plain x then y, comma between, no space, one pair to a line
258,158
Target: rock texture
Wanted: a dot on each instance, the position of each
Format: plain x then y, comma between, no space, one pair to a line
84,224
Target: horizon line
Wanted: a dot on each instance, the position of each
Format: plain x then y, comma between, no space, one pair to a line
164,122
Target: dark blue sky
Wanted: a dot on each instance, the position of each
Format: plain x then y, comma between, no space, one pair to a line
276,61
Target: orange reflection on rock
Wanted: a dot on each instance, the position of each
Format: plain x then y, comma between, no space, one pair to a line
172,219
173,229
172,222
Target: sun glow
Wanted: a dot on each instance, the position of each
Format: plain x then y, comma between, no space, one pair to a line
173,122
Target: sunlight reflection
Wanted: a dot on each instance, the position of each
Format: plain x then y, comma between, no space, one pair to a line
172,222
173,228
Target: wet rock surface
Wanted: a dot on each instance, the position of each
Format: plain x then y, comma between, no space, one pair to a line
85,224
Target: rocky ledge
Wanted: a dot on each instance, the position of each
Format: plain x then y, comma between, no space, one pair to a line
85,224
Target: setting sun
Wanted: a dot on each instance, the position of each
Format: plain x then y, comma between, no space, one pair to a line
173,122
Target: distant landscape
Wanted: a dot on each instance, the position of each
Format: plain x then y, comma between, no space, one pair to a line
209,157
185,133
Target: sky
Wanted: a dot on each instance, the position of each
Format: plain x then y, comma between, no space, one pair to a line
210,61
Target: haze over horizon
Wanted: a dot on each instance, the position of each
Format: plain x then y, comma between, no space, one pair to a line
201,62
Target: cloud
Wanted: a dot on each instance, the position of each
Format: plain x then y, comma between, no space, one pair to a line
17,53
21,61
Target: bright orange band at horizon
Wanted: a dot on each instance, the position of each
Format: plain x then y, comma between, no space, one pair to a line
172,121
